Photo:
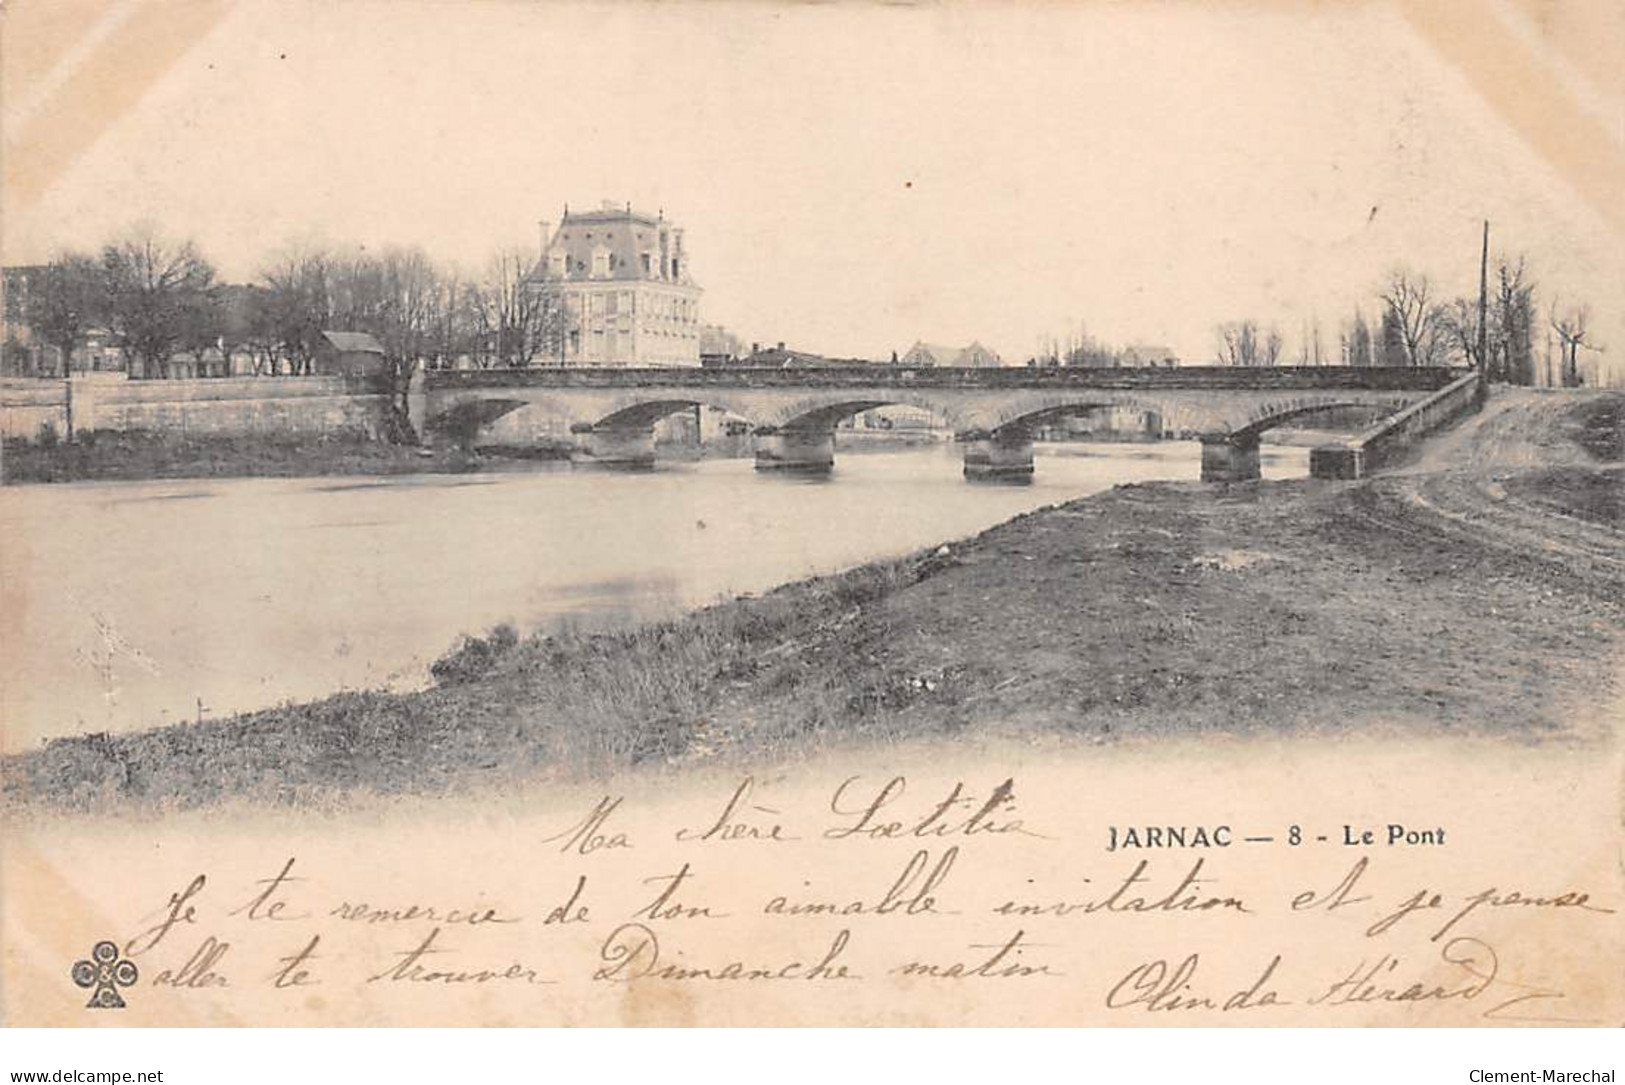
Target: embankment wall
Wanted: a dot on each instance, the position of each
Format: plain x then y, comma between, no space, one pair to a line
230,406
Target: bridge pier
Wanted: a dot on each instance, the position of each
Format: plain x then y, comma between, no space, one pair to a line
1337,462
1002,457
1228,457
809,452
622,449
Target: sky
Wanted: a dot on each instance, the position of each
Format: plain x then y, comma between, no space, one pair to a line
856,177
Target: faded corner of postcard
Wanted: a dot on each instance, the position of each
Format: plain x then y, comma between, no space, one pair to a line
410,616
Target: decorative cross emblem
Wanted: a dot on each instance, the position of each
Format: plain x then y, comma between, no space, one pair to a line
106,973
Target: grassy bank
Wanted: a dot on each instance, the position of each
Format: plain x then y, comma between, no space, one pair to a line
129,456
1417,603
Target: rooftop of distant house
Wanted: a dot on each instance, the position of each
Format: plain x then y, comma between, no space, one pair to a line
353,342
781,357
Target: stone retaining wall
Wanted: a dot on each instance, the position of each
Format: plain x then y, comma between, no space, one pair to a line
230,406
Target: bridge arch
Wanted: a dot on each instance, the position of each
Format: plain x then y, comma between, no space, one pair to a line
463,420
814,414
1023,420
1270,415
646,413
622,432
1012,416
1232,455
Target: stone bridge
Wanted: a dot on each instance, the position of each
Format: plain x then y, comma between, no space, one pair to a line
792,413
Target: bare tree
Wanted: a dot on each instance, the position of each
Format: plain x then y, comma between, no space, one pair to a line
240,307
519,316
1244,343
65,303
1357,341
260,333
297,306
1084,350
1309,348
461,327
1273,345
62,307
202,319
1459,322
400,298
1512,323
1417,317
151,284
716,339
1571,328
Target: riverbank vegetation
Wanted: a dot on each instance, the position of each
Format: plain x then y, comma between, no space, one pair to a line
128,456
1429,603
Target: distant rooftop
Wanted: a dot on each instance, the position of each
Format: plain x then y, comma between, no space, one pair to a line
348,342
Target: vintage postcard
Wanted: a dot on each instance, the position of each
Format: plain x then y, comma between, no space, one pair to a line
734,514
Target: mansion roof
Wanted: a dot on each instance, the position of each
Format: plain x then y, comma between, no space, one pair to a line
615,244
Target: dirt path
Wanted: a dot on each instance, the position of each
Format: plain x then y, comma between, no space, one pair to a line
1475,482
1519,428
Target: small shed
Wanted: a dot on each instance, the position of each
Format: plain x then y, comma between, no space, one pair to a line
349,354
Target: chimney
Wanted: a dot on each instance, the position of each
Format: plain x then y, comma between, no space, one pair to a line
781,344
547,236
756,348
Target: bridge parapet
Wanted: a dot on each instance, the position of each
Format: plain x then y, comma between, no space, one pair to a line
1395,437
1188,378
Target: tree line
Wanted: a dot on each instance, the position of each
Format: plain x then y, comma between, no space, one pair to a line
156,299
1416,326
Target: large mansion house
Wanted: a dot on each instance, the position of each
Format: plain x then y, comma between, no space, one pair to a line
628,296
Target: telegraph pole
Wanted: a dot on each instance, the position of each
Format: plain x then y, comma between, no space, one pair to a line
1483,310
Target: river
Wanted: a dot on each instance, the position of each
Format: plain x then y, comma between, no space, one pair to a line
130,605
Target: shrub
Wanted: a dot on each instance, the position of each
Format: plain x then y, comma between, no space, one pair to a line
474,657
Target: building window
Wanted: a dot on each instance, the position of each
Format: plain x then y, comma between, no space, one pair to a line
648,263
600,264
